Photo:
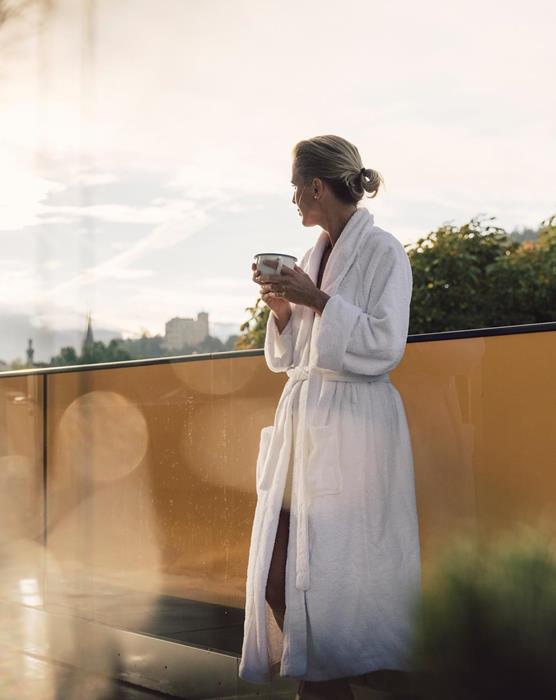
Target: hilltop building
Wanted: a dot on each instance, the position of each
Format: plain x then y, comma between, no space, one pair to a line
181,332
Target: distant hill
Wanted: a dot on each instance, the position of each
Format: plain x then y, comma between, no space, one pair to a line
17,328
224,330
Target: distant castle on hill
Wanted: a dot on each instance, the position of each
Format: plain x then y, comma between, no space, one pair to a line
181,332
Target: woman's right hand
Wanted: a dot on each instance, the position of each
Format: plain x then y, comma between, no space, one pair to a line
280,306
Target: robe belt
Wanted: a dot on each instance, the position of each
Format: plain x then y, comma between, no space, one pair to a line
300,374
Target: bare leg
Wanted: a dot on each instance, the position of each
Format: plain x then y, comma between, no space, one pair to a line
276,583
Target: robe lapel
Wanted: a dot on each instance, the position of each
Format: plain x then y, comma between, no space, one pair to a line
344,252
340,260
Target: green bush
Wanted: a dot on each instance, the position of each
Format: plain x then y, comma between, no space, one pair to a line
485,626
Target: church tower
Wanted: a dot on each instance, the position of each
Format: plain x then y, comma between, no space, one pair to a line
30,352
89,340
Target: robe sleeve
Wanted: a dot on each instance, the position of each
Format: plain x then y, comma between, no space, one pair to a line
369,341
278,347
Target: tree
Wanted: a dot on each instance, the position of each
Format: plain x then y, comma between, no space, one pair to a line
254,329
67,356
477,276
450,275
470,276
523,282
92,354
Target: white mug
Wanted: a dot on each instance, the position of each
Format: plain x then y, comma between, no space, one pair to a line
282,259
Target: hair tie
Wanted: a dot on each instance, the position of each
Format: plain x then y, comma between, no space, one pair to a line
362,172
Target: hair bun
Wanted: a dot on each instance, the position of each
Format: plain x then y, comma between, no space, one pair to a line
336,161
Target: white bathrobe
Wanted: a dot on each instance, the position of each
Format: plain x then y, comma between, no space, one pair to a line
353,570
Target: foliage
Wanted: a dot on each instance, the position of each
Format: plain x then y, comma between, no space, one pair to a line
485,624
523,283
91,354
254,329
130,349
477,276
450,275
470,276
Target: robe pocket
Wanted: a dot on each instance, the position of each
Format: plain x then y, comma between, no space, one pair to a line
324,474
263,475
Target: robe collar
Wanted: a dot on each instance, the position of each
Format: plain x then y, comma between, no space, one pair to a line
343,252
342,256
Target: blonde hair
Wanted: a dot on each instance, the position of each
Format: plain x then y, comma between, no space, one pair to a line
338,162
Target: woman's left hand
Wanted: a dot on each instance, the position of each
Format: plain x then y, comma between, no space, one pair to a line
296,286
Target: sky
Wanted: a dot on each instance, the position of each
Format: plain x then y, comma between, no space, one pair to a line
145,147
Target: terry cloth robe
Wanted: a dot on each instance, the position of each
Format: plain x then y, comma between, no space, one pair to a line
353,570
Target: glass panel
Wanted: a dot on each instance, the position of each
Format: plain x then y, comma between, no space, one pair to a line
151,494
481,415
151,475
21,491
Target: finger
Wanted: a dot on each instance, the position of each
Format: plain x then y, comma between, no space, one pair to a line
273,278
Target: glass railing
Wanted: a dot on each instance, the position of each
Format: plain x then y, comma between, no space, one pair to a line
128,490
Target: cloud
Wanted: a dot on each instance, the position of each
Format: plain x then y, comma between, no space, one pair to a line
130,274
94,179
164,236
19,281
118,213
21,194
198,130
225,284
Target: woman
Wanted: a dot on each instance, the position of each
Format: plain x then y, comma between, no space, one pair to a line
334,560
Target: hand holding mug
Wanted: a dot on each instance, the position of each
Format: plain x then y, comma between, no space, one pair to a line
276,302
292,285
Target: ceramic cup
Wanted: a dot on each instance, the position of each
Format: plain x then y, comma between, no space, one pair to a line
282,258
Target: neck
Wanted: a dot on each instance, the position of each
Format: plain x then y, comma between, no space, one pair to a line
335,222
